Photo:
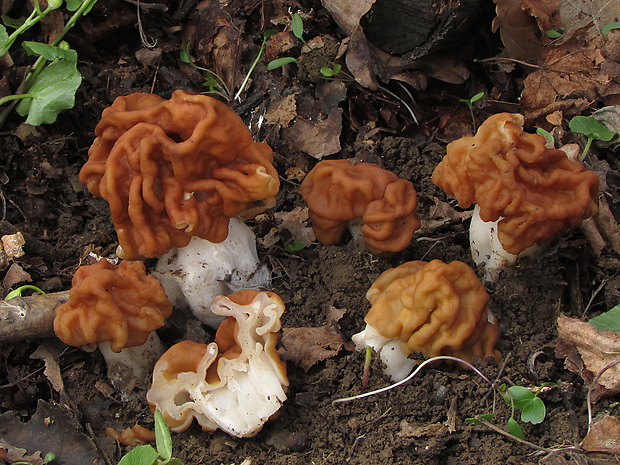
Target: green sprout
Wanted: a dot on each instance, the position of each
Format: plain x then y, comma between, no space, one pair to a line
546,134
295,246
609,27
297,25
20,291
555,33
53,80
592,129
213,82
149,455
49,457
470,104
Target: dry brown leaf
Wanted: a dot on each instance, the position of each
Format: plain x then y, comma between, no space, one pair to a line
52,369
569,72
545,12
347,13
307,346
518,31
604,436
317,139
282,111
587,352
13,454
14,275
593,14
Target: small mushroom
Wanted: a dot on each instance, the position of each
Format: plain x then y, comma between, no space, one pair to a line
116,309
175,169
525,193
339,191
236,383
432,308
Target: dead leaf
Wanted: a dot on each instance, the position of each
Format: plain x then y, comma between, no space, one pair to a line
282,111
408,430
604,436
518,31
317,139
307,346
52,369
11,454
579,14
347,13
587,351
15,275
546,13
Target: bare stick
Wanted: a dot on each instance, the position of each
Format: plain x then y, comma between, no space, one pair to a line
32,317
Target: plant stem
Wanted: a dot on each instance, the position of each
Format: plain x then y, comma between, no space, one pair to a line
413,374
10,98
586,148
36,16
249,73
367,360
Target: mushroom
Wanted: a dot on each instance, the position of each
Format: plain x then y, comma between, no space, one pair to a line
175,169
525,193
195,274
433,308
236,383
116,309
339,191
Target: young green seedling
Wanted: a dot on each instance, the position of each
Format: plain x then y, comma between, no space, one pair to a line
592,129
547,135
51,85
470,104
20,291
297,25
149,455
213,81
609,27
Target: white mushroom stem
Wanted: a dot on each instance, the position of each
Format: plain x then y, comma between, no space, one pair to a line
193,275
397,363
487,249
131,368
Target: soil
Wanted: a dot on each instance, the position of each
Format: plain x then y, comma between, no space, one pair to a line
421,422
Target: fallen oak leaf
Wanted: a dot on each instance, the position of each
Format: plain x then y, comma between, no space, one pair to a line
588,351
604,436
308,346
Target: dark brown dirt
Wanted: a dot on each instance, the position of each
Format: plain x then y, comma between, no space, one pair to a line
422,422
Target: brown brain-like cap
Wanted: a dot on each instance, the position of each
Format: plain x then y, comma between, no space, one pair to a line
122,305
536,191
338,191
173,169
434,308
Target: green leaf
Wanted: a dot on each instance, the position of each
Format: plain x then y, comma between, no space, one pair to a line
546,134
476,97
52,91
298,26
12,22
49,52
484,416
553,34
4,37
590,127
295,246
608,320
269,33
518,396
513,428
609,27
330,72
73,5
140,455
534,412
279,62
163,440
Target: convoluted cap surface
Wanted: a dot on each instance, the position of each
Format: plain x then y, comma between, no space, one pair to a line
236,383
537,192
122,305
434,308
173,169
338,191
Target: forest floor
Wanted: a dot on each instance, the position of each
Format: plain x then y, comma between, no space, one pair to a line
402,121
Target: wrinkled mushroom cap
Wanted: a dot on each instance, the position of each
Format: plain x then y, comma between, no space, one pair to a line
434,308
236,383
122,305
534,191
338,191
174,169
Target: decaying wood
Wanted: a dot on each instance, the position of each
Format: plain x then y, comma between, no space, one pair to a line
32,317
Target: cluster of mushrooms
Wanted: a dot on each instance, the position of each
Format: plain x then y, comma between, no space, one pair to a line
179,174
